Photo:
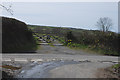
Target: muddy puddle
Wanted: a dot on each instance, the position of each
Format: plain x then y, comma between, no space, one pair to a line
41,70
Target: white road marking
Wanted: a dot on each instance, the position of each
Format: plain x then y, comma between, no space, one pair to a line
40,60
53,59
6,59
20,59
43,43
58,44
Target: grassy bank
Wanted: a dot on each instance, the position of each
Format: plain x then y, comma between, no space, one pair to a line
92,48
89,48
109,72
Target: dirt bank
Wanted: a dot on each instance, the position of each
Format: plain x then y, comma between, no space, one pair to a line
108,72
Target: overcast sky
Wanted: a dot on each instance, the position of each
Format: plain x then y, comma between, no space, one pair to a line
69,14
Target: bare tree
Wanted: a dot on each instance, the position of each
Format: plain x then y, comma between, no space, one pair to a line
104,24
8,9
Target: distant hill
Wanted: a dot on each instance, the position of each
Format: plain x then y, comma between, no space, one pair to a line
16,37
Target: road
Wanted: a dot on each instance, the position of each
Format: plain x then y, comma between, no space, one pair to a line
59,62
86,68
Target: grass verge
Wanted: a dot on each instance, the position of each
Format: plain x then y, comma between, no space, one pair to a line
88,48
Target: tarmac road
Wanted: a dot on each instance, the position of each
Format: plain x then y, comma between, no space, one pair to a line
86,68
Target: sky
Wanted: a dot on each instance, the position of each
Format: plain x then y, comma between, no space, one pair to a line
82,15
59,0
